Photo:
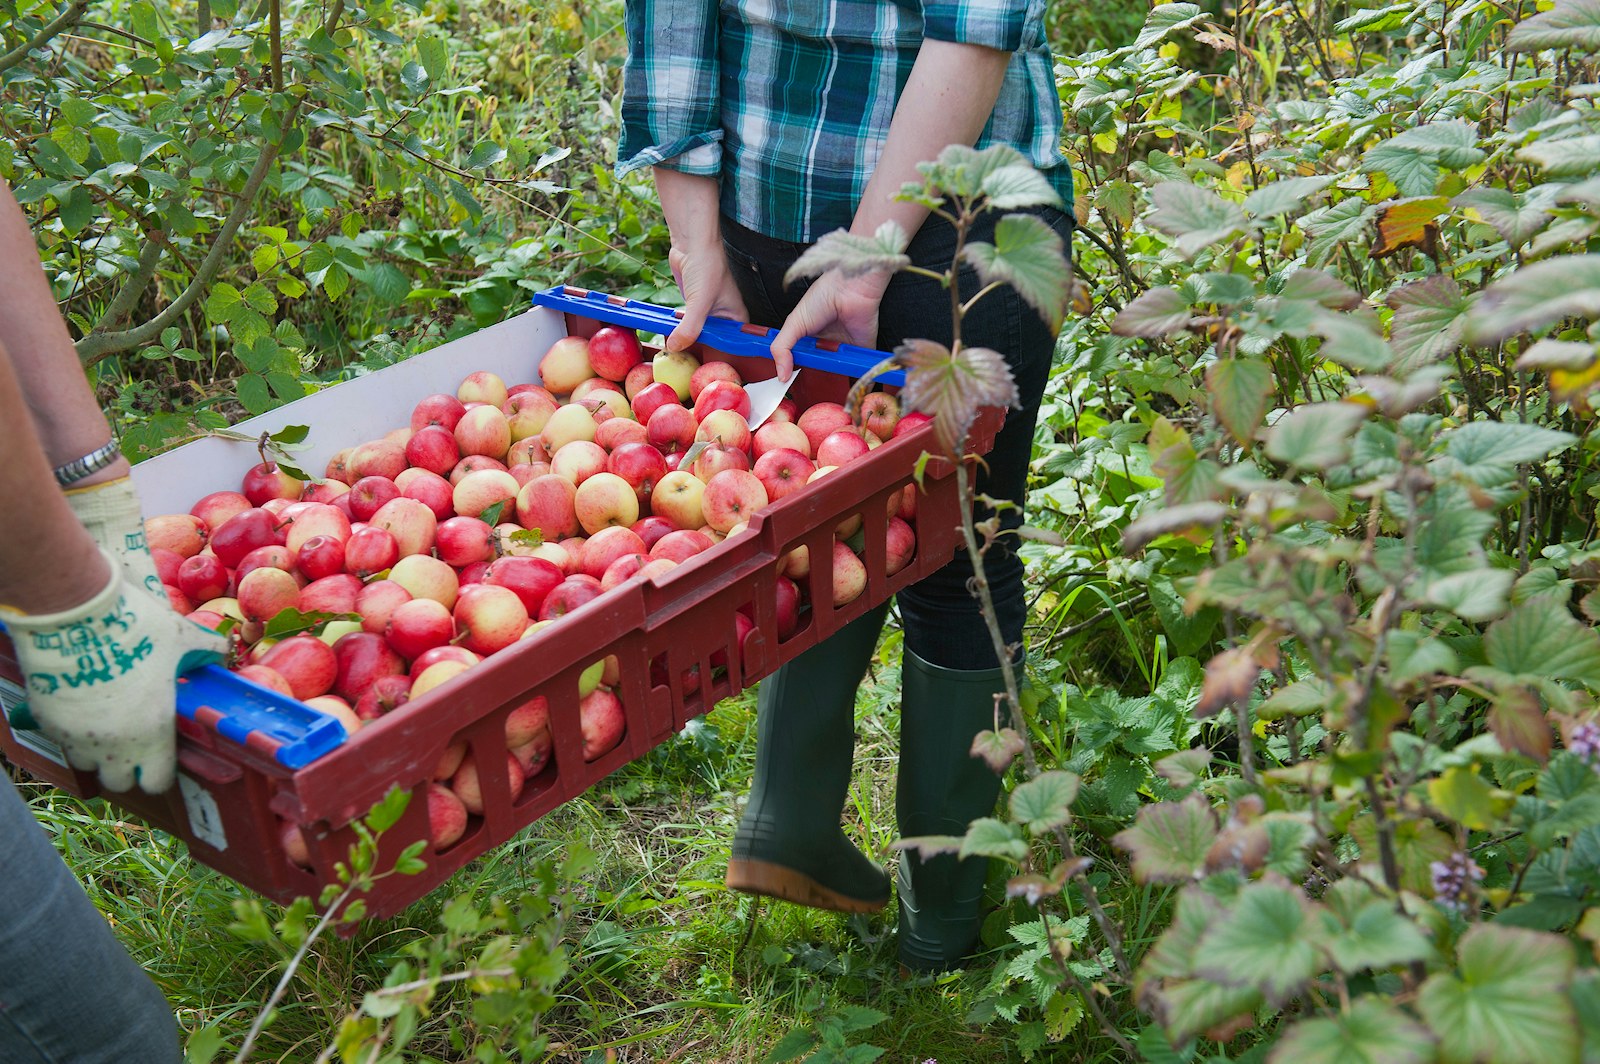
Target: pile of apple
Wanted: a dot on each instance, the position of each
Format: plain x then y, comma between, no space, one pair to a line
496,512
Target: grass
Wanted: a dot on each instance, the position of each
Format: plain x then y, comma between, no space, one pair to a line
667,964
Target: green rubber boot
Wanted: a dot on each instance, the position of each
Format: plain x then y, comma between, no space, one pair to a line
790,844
942,788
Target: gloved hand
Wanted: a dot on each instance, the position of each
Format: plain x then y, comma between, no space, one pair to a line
101,680
110,511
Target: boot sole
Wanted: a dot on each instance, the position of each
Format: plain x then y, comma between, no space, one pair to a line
749,876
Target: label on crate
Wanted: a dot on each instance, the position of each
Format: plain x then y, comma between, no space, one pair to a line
205,819
12,696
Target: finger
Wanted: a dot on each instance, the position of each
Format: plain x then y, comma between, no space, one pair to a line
155,772
688,328
119,774
783,348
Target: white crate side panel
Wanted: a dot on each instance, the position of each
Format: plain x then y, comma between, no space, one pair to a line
350,413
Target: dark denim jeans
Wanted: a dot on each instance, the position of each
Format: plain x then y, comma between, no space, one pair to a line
69,992
943,624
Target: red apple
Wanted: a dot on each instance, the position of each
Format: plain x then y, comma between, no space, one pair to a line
202,578
217,507
716,457
567,596
368,494
638,379
775,434
681,545
732,496
900,544
622,570
328,491
530,450
783,472
427,577
410,522
331,594
268,678
489,618
320,556
672,428
820,419
909,422
474,463
183,534
639,465
438,411
338,467
461,541
849,574
376,603
606,546
840,447
788,410
788,603
467,786
652,398
370,551
711,371
387,694
306,662
603,722
418,626
447,817
722,395
484,430
167,564
432,490
362,658
272,556
613,352
578,461
532,579
880,414
265,593
652,529
618,432
304,521
238,536
528,412
547,503
433,447
266,481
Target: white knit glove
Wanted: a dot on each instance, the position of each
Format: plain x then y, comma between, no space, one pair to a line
111,512
101,680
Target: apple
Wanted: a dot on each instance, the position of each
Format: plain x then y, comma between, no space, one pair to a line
201,578
293,841
306,662
547,503
622,570
265,593
568,423
438,411
849,574
482,387
722,395
638,379
484,488
363,658
447,817
604,405
427,577
411,522
368,495
909,422
652,529
463,540
338,467
223,607
880,414
837,448
177,600
796,564
728,427
418,626
448,762
387,694
820,419
578,461
775,434
604,501
846,528
276,507
613,352
672,428
520,389
592,387
168,563
489,618
267,481
527,471
711,371
653,397
271,679
788,410
732,496
473,574
469,788
638,464
376,603
331,594
473,463
334,630
619,432
238,535
378,458
527,413
484,430
675,369
370,551
307,520
681,545
908,502
556,555
183,534
900,544
657,567
534,754
678,498
320,556
433,448
530,450
607,545
565,365
272,556
431,490
429,658
783,472
532,579
787,594
603,722
437,675
715,457
217,507
327,491
567,596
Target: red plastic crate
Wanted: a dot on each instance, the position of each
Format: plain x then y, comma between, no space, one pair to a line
232,800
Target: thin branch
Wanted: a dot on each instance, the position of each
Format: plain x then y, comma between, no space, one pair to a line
128,295
64,21
288,972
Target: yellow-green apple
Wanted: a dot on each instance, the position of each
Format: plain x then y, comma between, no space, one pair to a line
820,419
217,507
796,564
657,567
728,427
402,436
653,397
681,545
265,593
603,722
333,631
609,544
482,387
578,461
418,626
437,674
678,498
732,496
567,596
429,658
607,404
639,377
844,445
675,369
411,522
477,491
556,555
440,411
306,662
707,372
222,606
722,395
331,594
849,574
591,677
376,458
489,618
900,543
526,721
430,489
433,448
531,579
775,434
363,657
546,503
484,430
427,577
463,540
671,428
568,423
565,365
376,603
604,501
613,352
370,551
319,556
783,471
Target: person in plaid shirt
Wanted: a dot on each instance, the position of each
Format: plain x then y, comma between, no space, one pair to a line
766,125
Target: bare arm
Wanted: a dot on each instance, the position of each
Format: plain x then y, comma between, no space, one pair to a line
42,357
690,203
947,100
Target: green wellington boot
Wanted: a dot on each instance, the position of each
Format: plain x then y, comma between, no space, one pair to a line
790,844
942,788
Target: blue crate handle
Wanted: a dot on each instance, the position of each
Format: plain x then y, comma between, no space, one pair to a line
721,334
256,716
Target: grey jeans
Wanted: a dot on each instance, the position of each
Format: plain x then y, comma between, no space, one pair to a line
69,992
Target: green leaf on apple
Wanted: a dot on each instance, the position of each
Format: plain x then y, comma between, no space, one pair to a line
293,622
491,514
527,537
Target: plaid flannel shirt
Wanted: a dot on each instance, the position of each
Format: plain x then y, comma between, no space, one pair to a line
787,102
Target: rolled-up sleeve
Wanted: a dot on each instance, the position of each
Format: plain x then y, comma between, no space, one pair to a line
999,24
671,113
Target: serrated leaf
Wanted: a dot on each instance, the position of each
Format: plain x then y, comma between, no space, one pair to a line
790,1046
1153,314
1314,436
1535,296
1182,518
222,303
290,435
997,748
1413,171
1570,24
254,395
1487,451
953,387
1321,288
1571,356
414,77
1270,942
1539,642
388,282
1429,321
988,837
1163,19
1284,196
1518,722
1352,340
852,255
1016,186
1372,1031
1516,220
1567,157
1409,223
1026,254
1509,1002
292,622
1045,802
1169,840
1476,595
1196,217
1184,769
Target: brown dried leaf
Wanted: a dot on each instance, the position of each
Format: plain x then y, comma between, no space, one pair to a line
1230,677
